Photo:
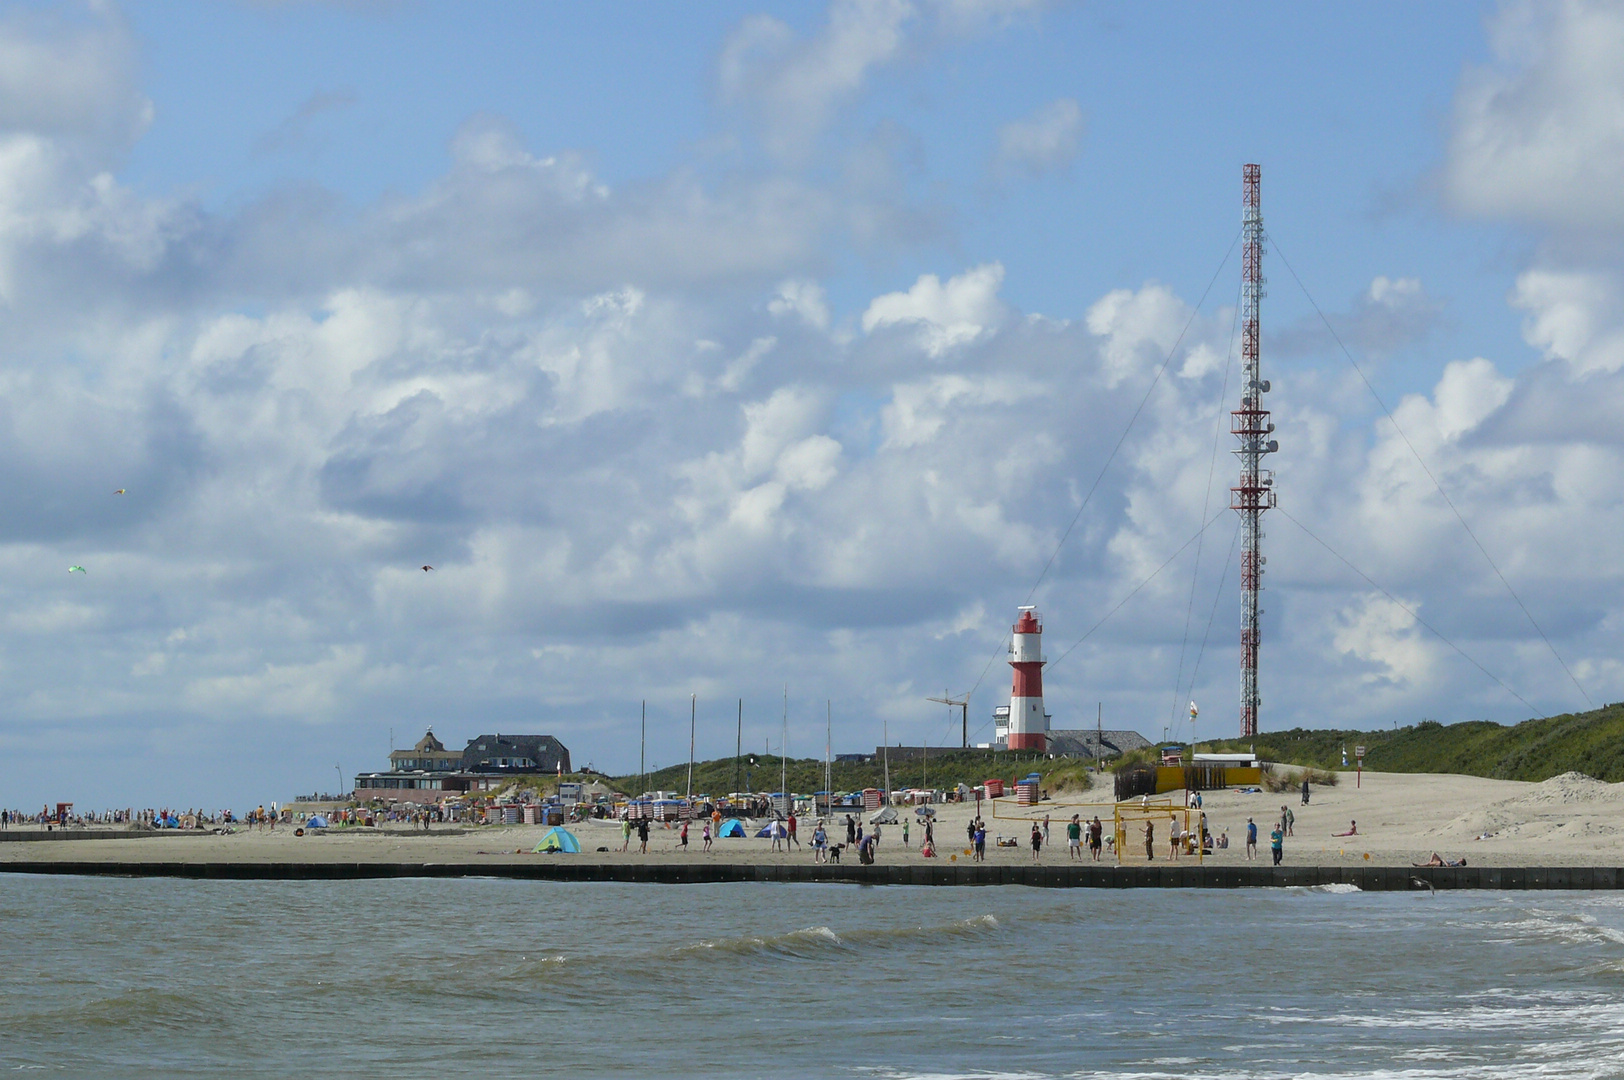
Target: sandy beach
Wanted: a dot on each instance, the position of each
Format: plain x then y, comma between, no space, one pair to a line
1402,819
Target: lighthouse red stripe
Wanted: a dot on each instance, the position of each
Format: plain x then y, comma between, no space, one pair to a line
1028,680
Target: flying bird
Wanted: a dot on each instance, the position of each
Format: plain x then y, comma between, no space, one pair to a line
426,569
120,491
76,569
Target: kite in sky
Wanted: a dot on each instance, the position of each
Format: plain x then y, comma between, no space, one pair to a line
120,491
426,569
76,569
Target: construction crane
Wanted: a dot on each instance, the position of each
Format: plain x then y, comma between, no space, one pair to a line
964,712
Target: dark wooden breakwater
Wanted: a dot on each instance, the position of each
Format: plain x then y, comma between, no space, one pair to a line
560,868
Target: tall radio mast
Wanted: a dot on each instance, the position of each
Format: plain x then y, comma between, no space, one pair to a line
1250,424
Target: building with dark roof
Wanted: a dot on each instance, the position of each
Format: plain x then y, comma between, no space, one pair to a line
1089,743
429,755
430,768
515,754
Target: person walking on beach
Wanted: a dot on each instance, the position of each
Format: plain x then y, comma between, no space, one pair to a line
1173,837
706,835
1251,839
1275,842
1096,837
820,844
876,838
1074,839
851,830
790,837
1045,828
775,830
1037,841
1290,819
979,839
1305,791
930,835
642,836
625,833
904,832
682,837
970,829
1150,841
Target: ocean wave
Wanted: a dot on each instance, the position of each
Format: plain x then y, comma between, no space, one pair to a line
816,941
144,1010
797,944
1576,1069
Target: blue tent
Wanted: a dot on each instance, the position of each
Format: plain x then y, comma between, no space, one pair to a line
316,822
559,838
732,827
766,831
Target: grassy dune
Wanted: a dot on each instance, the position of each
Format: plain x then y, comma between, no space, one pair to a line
943,769
1588,742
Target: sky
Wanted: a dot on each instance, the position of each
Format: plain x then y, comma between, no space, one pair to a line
779,353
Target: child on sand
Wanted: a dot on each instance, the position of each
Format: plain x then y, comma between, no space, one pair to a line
1353,830
706,836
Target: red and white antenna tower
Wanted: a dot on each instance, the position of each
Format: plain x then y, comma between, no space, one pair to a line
1250,424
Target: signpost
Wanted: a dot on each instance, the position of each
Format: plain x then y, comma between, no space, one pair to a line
1359,774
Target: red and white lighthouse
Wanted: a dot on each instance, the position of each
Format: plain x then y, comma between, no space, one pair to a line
1028,723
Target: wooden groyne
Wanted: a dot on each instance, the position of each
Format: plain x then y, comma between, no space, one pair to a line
560,868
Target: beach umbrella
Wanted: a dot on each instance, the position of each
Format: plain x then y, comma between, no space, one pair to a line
559,838
925,811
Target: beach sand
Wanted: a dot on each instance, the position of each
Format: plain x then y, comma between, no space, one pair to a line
1403,818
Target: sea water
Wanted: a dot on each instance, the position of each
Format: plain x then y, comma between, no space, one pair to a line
163,978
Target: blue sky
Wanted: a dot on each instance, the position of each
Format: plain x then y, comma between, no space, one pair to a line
713,349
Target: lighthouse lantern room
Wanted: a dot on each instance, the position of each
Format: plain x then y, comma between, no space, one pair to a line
1028,723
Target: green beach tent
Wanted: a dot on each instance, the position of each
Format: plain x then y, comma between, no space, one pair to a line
559,838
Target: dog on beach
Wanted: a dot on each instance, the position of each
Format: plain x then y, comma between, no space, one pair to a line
834,852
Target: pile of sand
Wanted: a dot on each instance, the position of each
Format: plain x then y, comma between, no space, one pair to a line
1563,807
